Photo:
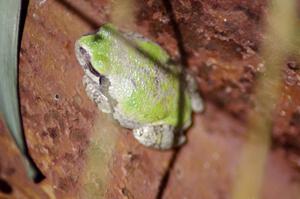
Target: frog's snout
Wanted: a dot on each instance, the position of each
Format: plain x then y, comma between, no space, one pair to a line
82,55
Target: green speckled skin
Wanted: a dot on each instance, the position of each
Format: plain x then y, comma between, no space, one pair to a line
143,83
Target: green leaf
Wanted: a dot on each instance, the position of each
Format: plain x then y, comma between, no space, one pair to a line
9,105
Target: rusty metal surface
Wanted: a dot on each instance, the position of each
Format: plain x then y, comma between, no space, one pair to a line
14,182
207,167
60,120
222,44
223,40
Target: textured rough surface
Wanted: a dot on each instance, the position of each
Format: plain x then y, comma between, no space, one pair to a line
64,130
224,50
13,179
209,172
82,153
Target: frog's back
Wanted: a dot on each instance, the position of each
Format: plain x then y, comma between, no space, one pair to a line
144,84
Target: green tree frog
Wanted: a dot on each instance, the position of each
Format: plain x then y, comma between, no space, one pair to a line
133,79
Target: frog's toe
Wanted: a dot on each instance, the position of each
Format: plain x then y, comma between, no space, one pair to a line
197,102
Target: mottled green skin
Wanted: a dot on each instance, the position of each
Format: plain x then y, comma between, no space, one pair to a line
147,87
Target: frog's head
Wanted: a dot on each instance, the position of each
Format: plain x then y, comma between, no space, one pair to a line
107,50
92,51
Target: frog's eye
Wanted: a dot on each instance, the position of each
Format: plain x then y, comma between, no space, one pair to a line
87,60
91,68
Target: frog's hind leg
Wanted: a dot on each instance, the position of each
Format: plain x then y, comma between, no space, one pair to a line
196,100
159,136
92,89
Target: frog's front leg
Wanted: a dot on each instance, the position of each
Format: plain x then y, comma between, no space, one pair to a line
159,136
92,89
196,100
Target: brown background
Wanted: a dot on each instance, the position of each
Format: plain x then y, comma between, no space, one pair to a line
222,41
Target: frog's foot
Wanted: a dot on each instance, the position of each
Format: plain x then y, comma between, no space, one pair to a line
159,137
196,100
92,89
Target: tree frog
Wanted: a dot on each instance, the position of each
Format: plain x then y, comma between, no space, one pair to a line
133,79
